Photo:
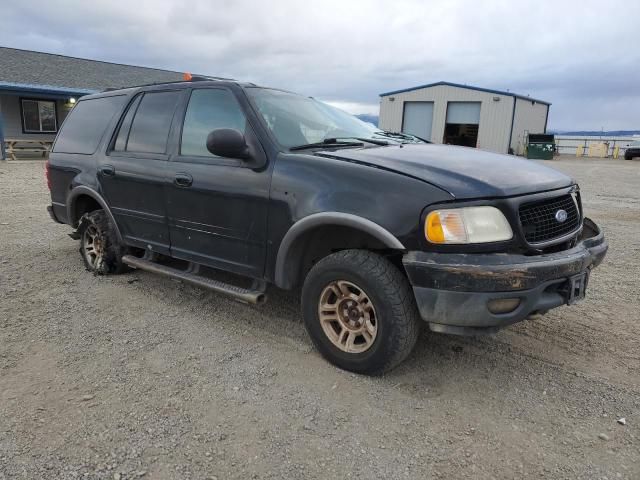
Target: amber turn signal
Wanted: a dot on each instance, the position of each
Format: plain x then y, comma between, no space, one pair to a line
481,224
433,228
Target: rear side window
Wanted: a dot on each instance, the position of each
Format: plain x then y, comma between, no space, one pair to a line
86,123
208,110
150,128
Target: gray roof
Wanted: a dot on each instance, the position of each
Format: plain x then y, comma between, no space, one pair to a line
468,87
36,68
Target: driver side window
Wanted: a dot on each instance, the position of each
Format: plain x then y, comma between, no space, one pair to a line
208,110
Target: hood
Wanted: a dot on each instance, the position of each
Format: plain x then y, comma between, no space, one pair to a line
464,172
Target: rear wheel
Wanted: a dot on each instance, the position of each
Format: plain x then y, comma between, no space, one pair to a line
99,246
627,156
360,312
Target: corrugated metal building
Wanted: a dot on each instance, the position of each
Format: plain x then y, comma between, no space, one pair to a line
445,112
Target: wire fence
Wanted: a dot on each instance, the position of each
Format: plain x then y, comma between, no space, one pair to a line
572,145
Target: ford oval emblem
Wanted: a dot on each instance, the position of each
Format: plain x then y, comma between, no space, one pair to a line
561,216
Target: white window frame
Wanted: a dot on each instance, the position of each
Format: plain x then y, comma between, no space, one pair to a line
39,101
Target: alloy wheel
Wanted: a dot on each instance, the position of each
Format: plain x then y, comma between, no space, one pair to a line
92,247
347,316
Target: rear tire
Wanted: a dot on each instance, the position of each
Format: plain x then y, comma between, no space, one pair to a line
99,246
360,312
628,157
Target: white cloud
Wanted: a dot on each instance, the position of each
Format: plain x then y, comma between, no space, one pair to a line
579,55
355,108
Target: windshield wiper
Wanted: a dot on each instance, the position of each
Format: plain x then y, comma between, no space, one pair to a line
386,133
327,142
403,136
365,139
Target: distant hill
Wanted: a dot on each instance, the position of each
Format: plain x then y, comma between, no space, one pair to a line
598,133
368,118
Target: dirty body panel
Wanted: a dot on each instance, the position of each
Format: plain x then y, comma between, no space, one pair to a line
453,290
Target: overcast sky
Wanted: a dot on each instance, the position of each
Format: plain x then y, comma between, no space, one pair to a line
582,56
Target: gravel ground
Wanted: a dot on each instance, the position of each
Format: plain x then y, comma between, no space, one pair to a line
138,376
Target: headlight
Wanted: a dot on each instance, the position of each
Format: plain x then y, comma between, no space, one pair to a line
467,225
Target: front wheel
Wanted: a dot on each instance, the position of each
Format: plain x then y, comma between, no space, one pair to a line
360,312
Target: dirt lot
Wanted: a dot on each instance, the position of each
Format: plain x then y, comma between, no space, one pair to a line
138,376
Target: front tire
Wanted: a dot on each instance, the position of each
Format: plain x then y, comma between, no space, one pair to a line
99,246
360,312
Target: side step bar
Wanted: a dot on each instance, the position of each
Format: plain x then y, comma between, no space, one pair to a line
243,294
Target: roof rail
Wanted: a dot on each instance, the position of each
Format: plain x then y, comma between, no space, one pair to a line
193,78
202,78
111,89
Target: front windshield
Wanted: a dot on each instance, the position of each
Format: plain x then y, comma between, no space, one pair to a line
296,120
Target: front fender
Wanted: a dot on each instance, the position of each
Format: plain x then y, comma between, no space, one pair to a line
285,265
305,185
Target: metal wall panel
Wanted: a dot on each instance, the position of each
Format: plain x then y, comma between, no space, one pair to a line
529,117
418,119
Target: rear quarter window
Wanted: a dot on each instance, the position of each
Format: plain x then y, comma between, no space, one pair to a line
83,129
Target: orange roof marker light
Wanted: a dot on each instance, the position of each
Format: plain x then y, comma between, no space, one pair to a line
187,77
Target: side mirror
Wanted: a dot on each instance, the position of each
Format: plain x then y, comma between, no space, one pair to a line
228,142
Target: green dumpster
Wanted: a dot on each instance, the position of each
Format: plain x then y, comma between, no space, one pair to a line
541,146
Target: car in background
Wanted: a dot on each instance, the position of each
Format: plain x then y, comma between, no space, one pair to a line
632,151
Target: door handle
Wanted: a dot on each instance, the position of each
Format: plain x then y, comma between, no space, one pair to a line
183,180
107,170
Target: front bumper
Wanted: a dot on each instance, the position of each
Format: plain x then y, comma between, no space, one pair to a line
452,290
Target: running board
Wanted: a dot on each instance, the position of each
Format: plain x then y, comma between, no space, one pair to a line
246,295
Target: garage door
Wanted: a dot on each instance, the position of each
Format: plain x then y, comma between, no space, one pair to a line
463,112
417,119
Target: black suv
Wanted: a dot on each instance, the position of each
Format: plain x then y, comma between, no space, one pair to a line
379,229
